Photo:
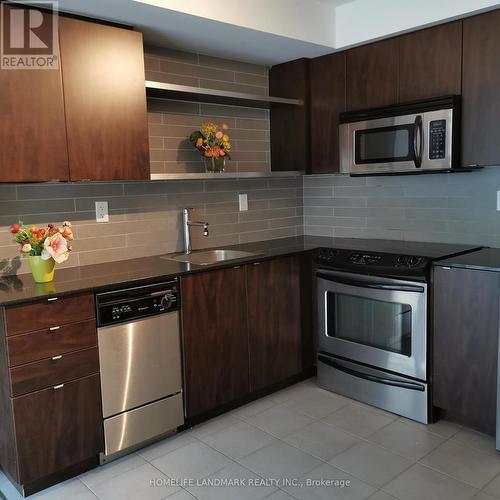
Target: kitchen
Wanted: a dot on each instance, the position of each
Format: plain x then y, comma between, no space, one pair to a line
300,316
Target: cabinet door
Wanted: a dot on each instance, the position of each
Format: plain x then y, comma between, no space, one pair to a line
480,90
105,99
276,314
32,132
465,338
58,428
430,62
290,124
327,102
214,330
372,75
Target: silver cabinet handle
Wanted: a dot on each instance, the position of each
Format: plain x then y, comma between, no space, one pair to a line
256,263
60,386
54,328
55,358
52,299
236,267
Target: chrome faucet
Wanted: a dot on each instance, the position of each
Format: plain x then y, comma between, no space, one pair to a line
187,229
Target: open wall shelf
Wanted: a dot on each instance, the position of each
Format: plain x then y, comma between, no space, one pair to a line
160,90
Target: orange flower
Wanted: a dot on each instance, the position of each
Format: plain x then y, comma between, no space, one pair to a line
225,126
199,142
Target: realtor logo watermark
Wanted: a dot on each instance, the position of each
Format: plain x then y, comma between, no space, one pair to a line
29,35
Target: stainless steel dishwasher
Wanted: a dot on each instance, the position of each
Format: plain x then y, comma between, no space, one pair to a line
140,358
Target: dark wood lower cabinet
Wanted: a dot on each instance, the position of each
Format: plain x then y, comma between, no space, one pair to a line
58,428
465,345
276,311
215,339
245,330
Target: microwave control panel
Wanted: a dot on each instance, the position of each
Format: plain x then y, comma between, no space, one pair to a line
437,139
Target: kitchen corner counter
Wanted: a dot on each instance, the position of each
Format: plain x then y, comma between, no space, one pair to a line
100,277
486,259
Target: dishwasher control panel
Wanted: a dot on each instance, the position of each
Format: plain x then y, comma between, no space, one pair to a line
137,303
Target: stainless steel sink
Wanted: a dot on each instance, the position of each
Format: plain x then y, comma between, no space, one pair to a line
207,257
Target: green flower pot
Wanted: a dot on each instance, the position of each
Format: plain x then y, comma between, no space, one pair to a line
42,270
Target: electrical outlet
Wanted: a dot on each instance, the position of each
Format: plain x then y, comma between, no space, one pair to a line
101,211
243,202
498,201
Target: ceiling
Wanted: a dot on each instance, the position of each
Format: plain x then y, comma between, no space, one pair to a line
272,31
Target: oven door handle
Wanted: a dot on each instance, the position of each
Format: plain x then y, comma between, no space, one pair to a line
373,378
367,284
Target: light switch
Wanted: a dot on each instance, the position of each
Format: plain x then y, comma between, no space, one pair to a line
243,202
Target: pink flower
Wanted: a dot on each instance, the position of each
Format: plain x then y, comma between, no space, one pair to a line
219,135
56,247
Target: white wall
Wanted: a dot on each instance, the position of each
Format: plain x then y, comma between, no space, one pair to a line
312,21
363,20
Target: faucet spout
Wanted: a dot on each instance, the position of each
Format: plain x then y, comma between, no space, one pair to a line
187,223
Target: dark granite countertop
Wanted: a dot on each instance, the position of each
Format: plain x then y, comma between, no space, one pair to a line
99,277
486,259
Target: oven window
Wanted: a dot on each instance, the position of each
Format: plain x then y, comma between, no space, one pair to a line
384,145
375,323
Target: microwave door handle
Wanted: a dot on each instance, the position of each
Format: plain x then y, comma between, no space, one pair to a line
418,141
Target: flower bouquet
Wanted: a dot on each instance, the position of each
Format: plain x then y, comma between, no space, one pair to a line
213,143
44,247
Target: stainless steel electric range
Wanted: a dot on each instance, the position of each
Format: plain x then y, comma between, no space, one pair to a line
372,324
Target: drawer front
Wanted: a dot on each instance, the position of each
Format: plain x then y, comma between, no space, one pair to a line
52,372
52,341
50,312
58,428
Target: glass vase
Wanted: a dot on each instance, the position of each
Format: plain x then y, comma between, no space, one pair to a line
217,165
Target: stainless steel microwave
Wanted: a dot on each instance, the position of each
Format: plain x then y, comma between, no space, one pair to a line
405,138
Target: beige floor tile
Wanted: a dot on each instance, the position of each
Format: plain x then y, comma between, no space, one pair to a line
476,439
322,440
349,488
239,440
464,463
493,488
359,420
279,421
214,425
165,446
407,441
422,483
441,428
317,403
280,460
371,463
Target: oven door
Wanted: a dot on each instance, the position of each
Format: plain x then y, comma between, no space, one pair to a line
380,322
405,143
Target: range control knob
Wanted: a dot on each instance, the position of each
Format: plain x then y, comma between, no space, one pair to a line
414,261
401,260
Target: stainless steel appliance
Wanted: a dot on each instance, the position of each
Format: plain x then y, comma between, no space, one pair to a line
140,362
372,310
407,138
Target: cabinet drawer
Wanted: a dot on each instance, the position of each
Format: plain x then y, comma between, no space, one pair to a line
52,372
58,428
50,342
48,313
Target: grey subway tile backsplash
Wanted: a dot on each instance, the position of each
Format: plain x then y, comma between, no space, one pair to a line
458,208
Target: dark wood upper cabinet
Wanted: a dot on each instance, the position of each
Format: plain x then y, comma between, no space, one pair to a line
58,428
32,132
215,339
481,90
105,101
277,315
372,75
290,124
465,344
430,62
328,100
